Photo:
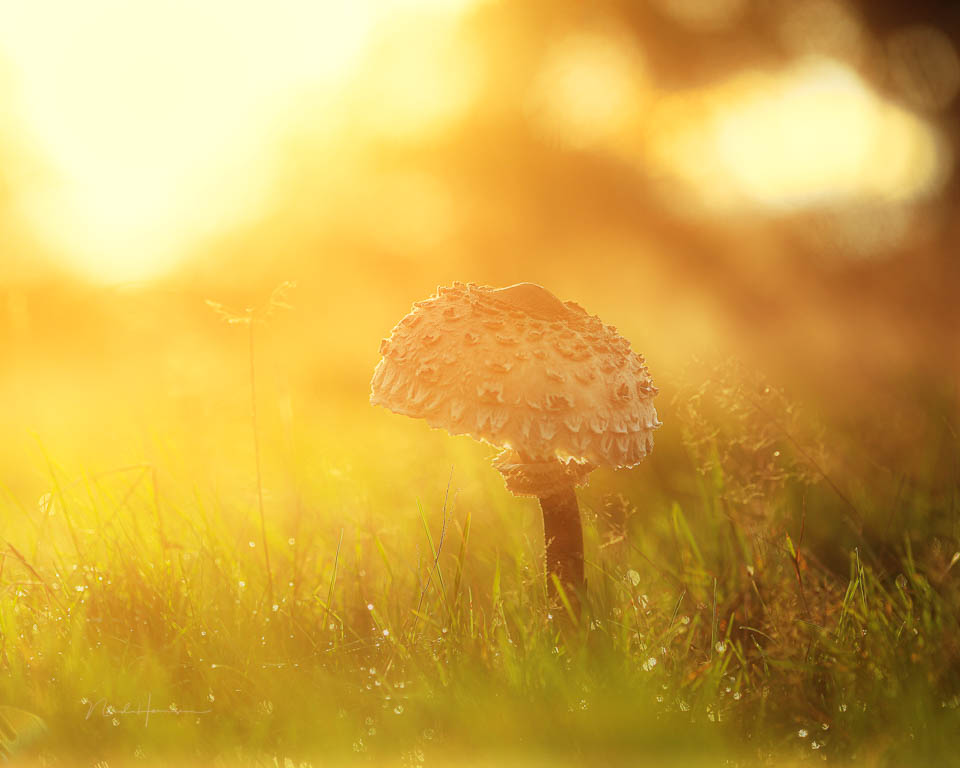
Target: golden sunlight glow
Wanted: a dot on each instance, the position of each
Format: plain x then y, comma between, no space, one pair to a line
590,89
155,118
814,135
419,78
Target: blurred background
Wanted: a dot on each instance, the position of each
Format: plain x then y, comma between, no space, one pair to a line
771,180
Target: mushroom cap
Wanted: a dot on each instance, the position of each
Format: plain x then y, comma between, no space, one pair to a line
518,368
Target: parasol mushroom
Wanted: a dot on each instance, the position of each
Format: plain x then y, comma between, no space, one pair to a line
557,390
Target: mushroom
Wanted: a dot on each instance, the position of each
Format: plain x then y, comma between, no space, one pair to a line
557,390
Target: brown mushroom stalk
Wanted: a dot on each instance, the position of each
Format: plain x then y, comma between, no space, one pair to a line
560,392
553,482
563,537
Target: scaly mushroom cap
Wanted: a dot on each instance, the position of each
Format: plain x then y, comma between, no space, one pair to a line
518,368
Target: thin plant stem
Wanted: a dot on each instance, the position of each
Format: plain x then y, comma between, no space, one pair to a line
256,453
250,317
436,555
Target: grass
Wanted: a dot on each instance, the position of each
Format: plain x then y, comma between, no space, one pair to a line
755,597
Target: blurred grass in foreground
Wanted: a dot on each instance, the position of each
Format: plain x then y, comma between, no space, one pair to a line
757,593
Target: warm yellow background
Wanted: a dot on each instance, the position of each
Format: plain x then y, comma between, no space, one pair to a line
710,178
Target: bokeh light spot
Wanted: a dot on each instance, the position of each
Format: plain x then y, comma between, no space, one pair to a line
823,27
814,135
419,79
589,89
703,15
924,66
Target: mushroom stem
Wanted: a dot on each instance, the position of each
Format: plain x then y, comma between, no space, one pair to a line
563,538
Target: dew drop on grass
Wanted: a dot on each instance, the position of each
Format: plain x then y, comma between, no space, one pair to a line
721,647
276,607
291,541
243,584
649,664
843,707
369,606
252,544
398,710
802,733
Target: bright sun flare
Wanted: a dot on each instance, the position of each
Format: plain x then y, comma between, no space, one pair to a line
154,117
